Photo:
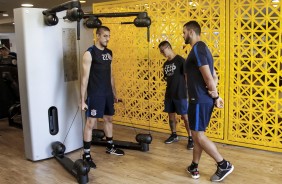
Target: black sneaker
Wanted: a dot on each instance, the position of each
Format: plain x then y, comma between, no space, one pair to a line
87,158
114,151
171,139
190,144
194,172
220,173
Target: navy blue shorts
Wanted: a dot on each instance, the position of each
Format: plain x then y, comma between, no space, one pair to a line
199,115
180,106
98,106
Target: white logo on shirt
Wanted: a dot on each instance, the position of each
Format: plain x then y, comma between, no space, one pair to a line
106,57
169,69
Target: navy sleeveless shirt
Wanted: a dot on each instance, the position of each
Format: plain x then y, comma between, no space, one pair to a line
99,83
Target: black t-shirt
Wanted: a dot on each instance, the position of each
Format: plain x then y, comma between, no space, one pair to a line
175,78
199,56
99,83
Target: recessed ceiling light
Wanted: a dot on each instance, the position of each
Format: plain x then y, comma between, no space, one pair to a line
27,5
82,1
5,14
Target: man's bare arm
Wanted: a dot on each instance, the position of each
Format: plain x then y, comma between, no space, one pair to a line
215,77
113,85
211,85
209,80
86,64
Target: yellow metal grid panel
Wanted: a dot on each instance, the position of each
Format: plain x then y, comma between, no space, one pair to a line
130,64
245,39
255,106
138,64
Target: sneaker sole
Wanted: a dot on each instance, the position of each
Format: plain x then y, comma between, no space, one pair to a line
171,141
114,154
229,172
190,148
194,177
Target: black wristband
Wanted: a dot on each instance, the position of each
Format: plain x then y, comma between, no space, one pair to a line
215,98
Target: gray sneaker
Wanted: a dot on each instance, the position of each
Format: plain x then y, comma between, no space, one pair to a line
220,173
171,139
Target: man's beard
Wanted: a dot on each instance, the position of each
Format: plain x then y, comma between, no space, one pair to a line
187,40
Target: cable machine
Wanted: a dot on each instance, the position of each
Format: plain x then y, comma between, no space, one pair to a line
79,169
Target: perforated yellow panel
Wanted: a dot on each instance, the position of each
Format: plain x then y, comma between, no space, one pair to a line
255,74
245,40
130,65
138,64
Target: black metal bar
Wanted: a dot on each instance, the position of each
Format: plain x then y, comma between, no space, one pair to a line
64,6
66,163
123,14
127,23
118,144
79,169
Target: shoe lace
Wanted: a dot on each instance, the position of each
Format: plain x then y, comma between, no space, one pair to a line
113,149
218,171
194,170
173,136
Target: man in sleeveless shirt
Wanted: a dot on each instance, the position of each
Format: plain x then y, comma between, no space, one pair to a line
98,82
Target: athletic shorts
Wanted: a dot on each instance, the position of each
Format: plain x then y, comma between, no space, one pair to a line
199,115
180,106
98,106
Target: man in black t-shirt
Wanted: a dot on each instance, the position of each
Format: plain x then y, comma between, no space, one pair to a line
98,81
176,92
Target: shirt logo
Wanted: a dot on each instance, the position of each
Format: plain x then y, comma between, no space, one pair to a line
169,69
93,112
106,57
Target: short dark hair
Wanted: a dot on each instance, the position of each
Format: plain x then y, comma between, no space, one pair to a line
164,43
194,25
102,28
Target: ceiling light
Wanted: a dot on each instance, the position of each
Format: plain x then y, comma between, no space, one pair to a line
82,1
5,14
27,5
